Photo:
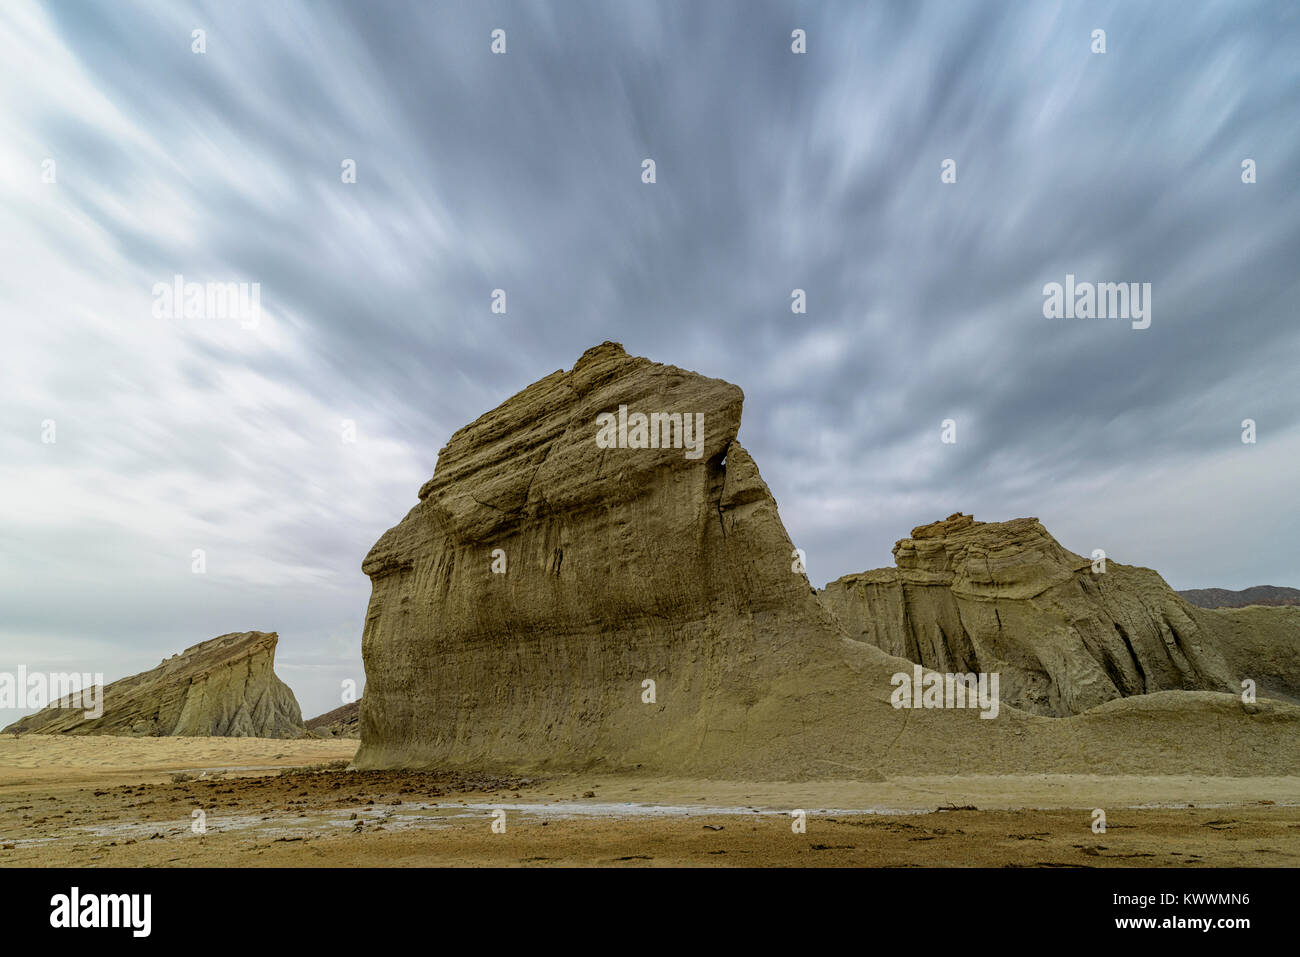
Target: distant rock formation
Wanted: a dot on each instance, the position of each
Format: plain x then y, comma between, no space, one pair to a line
344,722
1256,595
569,594
224,687
1006,597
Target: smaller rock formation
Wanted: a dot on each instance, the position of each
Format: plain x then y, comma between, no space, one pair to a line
344,722
225,687
1005,597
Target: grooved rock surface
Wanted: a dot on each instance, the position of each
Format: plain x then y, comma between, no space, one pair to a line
224,687
1006,597
615,567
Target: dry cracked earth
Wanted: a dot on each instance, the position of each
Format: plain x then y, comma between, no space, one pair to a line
325,815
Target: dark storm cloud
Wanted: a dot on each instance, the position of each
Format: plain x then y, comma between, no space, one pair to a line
775,172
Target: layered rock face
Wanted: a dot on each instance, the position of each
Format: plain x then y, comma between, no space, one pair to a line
225,687
615,566
1006,597
567,594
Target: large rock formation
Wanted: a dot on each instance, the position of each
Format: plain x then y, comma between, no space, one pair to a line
225,687
1006,597
555,602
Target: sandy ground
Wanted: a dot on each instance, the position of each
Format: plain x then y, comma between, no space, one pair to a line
132,802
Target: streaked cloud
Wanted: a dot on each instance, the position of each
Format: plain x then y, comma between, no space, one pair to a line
522,172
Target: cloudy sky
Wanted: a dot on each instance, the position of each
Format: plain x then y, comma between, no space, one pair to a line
522,171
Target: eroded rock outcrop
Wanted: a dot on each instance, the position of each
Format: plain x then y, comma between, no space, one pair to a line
1006,597
555,601
224,687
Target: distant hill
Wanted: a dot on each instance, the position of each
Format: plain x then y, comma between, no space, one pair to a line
344,722
1226,598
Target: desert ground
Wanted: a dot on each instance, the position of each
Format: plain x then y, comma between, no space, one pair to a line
113,801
